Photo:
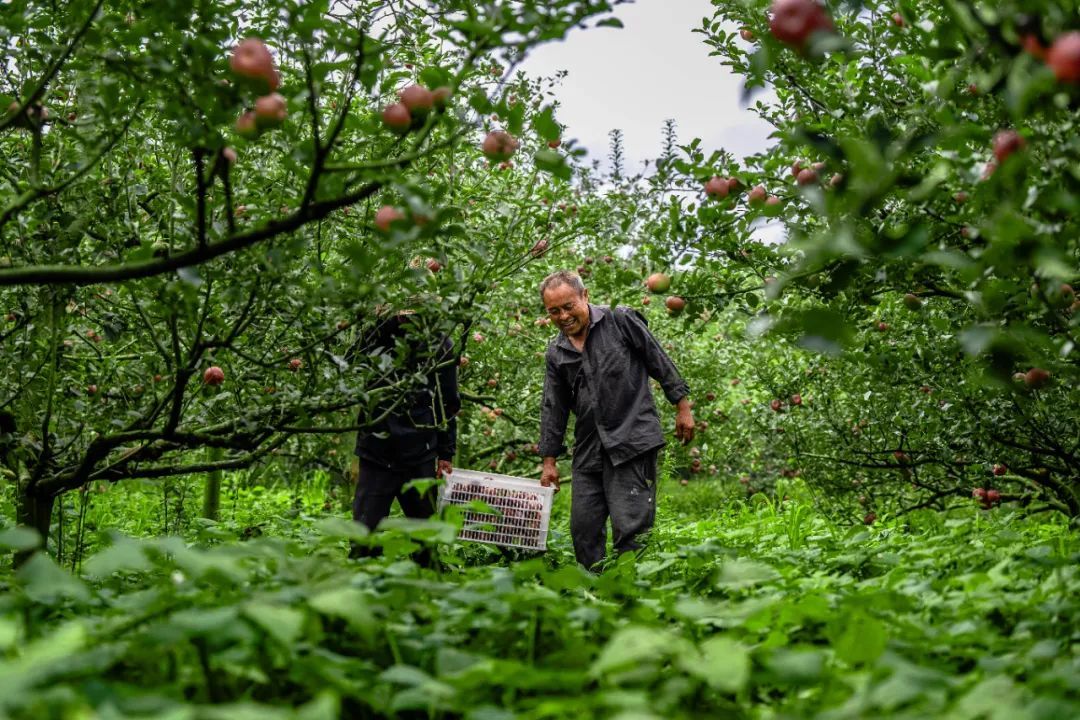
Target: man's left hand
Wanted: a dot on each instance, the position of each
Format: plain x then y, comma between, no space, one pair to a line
444,468
684,422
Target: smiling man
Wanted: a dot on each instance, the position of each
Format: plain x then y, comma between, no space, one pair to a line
599,368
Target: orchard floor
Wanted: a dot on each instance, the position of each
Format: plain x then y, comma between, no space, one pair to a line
737,609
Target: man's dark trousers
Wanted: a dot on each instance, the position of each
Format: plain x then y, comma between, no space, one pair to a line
376,489
626,493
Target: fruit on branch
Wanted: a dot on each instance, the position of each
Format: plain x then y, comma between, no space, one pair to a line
716,187
252,61
213,376
756,195
658,283
1033,46
1007,142
434,265
898,19
28,117
710,396
772,201
796,399
499,146
869,518
747,34
675,304
554,143
397,118
806,176
883,327
1000,469
539,248
796,168
993,497
1064,57
229,155
418,99
1036,378
776,405
91,389
440,96
912,301
386,215
295,364
247,125
270,111
794,21
836,180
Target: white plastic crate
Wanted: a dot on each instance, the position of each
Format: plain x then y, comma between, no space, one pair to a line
522,508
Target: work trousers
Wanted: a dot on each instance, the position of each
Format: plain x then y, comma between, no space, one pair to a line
376,489
625,493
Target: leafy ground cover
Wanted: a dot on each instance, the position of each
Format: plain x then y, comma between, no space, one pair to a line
740,608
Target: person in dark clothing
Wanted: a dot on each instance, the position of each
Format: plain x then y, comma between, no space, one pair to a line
414,435
599,368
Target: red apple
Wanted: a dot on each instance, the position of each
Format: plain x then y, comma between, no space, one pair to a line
397,118
806,176
836,180
883,326
554,143
1036,378
912,301
776,405
646,300
756,194
251,60
1033,46
901,457
898,19
247,126
91,389
993,497
772,201
1007,142
417,98
213,375
1064,57
869,518
1000,469
434,265
978,493
747,34
658,282
270,111
229,155
675,304
716,187
499,146
710,396
440,96
794,21
796,399
386,215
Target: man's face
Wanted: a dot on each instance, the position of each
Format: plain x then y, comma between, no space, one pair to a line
568,309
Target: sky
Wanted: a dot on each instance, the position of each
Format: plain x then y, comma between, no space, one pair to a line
635,77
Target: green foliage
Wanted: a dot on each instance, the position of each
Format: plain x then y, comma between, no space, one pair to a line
724,614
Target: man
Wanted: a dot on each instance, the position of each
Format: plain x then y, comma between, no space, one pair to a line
417,437
599,368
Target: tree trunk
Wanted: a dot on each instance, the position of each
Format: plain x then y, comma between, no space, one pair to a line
34,512
211,509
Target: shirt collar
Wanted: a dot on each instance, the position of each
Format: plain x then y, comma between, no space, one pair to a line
595,316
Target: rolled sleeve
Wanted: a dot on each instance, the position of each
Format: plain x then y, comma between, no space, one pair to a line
554,412
657,363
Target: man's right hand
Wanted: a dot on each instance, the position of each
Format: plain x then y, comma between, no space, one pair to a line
549,477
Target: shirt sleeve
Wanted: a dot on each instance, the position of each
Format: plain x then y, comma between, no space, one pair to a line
554,412
657,363
449,402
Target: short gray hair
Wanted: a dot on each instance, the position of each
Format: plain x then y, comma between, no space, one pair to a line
562,277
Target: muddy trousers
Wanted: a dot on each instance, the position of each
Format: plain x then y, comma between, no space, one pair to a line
625,493
376,489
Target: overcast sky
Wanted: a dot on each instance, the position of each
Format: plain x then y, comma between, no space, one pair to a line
635,77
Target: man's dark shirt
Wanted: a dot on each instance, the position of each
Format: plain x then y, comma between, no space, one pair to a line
423,426
606,386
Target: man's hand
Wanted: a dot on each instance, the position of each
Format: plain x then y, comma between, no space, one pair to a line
550,474
444,468
684,421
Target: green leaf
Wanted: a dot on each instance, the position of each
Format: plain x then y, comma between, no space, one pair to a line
544,124
349,604
123,555
632,646
46,582
740,573
724,664
862,641
284,624
553,162
19,538
610,22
